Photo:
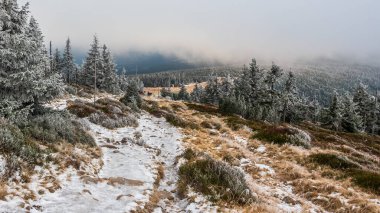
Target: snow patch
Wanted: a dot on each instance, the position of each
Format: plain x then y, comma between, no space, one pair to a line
3,164
261,149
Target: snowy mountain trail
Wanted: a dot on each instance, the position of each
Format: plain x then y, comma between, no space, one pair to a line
126,180
137,171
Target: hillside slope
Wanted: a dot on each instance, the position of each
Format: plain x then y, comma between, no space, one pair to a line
184,157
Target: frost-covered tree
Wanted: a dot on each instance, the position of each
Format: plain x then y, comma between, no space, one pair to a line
212,91
109,69
197,93
183,94
334,116
122,80
227,87
366,107
289,99
166,92
25,79
242,85
93,66
68,66
255,82
351,120
57,62
132,96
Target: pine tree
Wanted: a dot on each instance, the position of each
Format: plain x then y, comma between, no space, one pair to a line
255,77
110,81
183,94
335,112
24,65
212,91
197,93
166,92
366,107
351,120
289,99
57,62
132,95
123,80
227,87
68,65
93,66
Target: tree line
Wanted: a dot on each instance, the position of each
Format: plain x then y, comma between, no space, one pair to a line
272,95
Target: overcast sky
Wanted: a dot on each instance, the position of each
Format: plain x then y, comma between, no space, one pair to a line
229,30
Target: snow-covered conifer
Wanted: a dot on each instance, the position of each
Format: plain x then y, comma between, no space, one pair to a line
93,66
183,94
351,120
68,66
110,79
24,65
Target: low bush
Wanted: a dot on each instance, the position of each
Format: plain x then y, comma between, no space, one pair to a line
236,123
105,112
56,126
80,109
216,179
211,125
333,161
179,122
366,179
203,108
14,144
189,154
284,135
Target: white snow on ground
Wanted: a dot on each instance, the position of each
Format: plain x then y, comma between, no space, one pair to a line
241,140
265,169
125,181
2,165
261,149
127,176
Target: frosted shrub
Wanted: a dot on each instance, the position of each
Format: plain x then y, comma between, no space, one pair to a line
217,179
13,143
56,126
105,112
112,123
300,138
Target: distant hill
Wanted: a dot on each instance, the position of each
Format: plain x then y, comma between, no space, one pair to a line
152,62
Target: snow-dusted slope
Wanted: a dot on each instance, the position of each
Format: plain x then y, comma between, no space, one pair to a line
127,176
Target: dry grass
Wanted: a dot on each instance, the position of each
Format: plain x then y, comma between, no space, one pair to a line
3,191
312,184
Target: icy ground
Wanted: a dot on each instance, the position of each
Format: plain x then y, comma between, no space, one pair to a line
127,176
122,180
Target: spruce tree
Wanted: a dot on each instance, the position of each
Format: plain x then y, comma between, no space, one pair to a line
68,66
289,99
57,62
25,80
122,80
335,112
351,120
93,66
132,96
183,94
197,93
212,91
109,69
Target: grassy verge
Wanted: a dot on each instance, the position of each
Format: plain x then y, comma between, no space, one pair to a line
215,179
32,142
105,112
366,179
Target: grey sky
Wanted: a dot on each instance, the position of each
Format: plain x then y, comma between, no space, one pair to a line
230,30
